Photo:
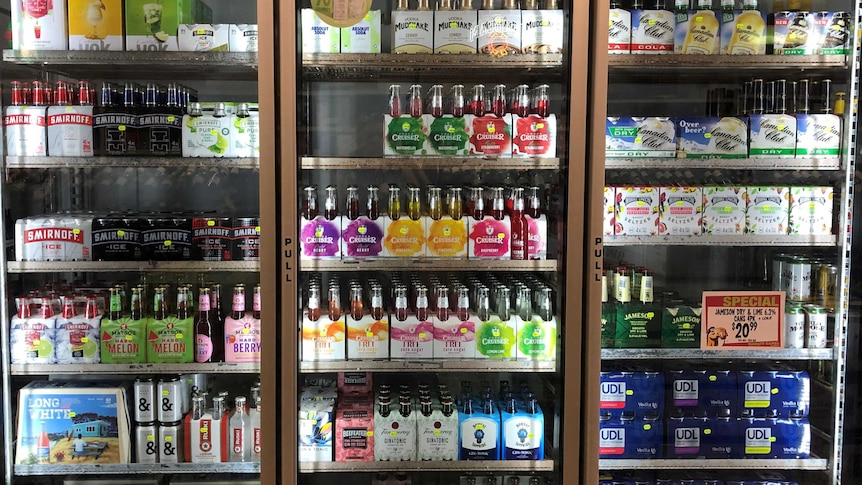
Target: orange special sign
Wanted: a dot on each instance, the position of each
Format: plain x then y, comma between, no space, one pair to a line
742,320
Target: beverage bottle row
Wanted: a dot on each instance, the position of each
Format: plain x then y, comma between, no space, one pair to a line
499,101
172,426
442,317
504,223
779,96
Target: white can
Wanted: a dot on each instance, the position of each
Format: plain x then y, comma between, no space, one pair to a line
144,404
171,444
799,281
169,395
817,322
794,328
146,443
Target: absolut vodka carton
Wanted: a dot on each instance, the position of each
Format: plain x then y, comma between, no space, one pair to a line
640,138
70,131
203,37
712,137
96,25
452,31
542,31
317,35
39,25
362,37
724,210
243,37
412,31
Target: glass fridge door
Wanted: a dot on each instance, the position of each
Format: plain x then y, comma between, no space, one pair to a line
726,221
434,306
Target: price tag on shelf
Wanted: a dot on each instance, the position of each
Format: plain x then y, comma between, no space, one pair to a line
742,320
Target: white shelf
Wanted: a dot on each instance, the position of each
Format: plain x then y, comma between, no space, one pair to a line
130,266
716,163
715,464
429,466
427,264
759,354
132,369
714,240
129,162
136,469
428,365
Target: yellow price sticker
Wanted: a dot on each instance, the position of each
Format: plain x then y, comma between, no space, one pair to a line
369,334
707,135
84,339
393,433
166,393
169,438
245,331
463,330
213,132
436,431
151,437
647,427
121,233
171,119
369,433
179,336
73,414
129,337
122,128
76,231
453,24
257,229
422,334
211,223
204,429
168,243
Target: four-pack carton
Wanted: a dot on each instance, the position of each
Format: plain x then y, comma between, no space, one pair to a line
39,25
96,25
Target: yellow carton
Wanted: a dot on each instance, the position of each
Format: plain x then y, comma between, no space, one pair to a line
96,25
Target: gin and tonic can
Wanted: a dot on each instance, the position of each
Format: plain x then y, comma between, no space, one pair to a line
146,443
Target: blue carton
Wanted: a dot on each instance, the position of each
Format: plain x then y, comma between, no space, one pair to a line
779,438
774,393
688,437
724,440
686,390
629,437
718,391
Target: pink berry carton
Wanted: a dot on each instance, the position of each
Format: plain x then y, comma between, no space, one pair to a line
637,211
681,211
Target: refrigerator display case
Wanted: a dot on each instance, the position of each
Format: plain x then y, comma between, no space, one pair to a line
726,251
207,226
433,246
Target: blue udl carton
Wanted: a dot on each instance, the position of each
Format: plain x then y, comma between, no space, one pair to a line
685,390
776,438
724,439
704,137
777,393
718,393
629,437
688,437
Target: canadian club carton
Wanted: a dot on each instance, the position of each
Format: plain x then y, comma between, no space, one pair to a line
54,415
39,25
70,131
534,136
26,131
96,25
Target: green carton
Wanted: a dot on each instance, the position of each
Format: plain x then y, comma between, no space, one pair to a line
680,327
151,25
170,341
124,341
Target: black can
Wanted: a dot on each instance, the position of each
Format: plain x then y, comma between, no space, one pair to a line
116,239
246,238
211,239
167,238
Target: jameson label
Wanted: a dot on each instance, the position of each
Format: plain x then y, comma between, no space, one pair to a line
405,136
638,327
170,341
448,135
609,328
681,327
124,341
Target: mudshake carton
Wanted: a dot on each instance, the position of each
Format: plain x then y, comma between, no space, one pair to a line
498,32
317,35
542,31
640,138
637,211
681,211
320,238
362,37
412,31
452,31
39,25
811,210
534,136
203,37
712,137
767,210
724,210
406,136
96,25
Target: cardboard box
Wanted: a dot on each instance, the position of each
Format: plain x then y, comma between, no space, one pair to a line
697,32
243,38
628,137
653,31
152,26
724,210
834,31
490,135
452,32
768,210
534,136
681,211
811,210
412,31
542,31
743,32
772,136
701,137
203,37
318,37
406,135
363,37
405,238
95,25
637,211
39,25
794,34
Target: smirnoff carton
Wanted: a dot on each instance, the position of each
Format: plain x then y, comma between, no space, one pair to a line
318,37
637,211
490,135
26,131
396,433
354,433
619,31
818,136
70,131
652,31
367,337
713,137
542,31
246,134
153,26
446,237
498,32
39,25
534,136
412,31
609,204
681,211
243,37
320,238
768,210
452,31
124,341
447,135
811,210
96,25
406,135
537,243
772,136
207,135
724,210
203,37
454,338
640,138
405,238
323,339
794,34
77,340
362,238
743,32
490,238
315,430
363,37
33,340
58,237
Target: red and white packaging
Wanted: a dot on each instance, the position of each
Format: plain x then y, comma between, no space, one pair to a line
58,237
70,131
26,131
491,136
534,136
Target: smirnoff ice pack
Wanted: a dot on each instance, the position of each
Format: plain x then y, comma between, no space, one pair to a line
77,337
39,25
70,131
203,37
57,237
243,38
32,336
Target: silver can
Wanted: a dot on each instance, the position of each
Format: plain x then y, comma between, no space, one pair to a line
144,403
779,282
799,283
794,327
198,383
185,400
817,323
169,393
255,395
171,444
146,443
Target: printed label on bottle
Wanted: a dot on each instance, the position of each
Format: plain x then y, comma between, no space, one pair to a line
203,348
237,441
239,303
204,303
256,302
